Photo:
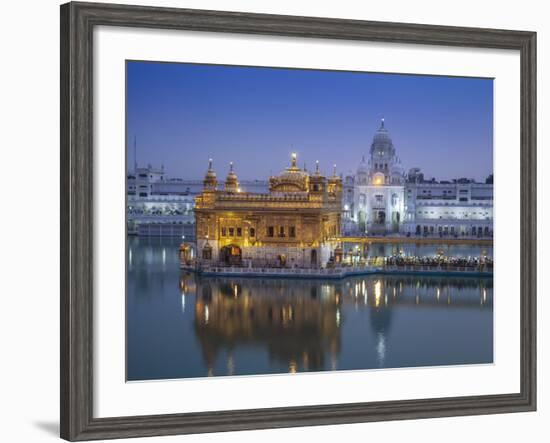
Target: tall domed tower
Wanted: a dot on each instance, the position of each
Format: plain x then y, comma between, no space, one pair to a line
385,167
379,187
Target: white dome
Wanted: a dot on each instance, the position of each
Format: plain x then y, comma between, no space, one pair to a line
382,142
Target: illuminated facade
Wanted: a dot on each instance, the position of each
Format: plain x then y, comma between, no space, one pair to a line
292,225
379,190
381,199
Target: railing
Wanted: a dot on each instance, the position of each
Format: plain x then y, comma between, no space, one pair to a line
287,272
339,270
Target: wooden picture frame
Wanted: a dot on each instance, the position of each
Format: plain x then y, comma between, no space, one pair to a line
77,217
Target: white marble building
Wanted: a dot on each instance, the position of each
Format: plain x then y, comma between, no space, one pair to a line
157,205
381,199
376,204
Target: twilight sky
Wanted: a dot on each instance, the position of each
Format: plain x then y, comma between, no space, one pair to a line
182,114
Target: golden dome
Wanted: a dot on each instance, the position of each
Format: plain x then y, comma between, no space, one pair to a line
292,179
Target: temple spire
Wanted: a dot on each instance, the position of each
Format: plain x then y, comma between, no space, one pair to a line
382,123
294,162
210,182
231,182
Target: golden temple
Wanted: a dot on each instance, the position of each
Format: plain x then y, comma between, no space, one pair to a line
294,224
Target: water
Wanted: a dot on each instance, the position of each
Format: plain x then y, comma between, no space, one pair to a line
180,325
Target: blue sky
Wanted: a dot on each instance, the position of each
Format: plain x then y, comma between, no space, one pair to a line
182,114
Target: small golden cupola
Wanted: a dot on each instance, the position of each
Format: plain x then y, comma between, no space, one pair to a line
210,181
335,184
317,182
231,182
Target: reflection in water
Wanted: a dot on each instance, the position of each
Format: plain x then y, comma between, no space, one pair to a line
300,322
183,325
292,322
381,349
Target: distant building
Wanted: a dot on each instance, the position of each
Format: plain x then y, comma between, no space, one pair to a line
381,199
162,206
293,224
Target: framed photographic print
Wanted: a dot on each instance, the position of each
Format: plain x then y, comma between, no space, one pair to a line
272,221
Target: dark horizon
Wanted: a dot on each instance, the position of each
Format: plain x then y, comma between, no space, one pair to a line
183,114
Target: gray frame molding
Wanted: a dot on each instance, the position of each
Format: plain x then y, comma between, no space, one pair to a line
77,24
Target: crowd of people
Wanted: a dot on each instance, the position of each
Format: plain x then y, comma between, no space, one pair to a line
439,261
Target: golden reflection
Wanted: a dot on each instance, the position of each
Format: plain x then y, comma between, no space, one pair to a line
292,367
299,323
293,321
377,293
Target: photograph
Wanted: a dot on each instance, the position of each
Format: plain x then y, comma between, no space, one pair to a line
280,221
285,220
